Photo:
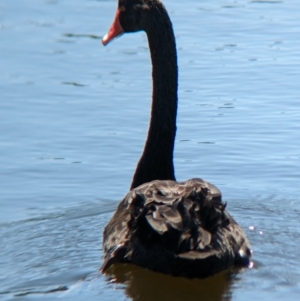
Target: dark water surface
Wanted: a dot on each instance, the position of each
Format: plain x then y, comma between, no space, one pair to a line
73,121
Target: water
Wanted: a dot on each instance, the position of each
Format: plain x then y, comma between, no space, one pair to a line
73,120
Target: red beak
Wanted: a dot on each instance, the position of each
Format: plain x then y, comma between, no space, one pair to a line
114,31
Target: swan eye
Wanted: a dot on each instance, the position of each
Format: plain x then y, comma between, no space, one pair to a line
122,8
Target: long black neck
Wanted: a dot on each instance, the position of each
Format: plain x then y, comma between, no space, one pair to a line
156,162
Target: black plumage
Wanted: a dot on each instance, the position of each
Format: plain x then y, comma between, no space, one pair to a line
178,228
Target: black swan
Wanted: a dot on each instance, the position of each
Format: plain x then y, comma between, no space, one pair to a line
177,228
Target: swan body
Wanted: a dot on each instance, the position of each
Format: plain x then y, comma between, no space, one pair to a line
177,228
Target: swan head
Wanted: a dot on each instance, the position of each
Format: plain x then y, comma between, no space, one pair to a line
131,16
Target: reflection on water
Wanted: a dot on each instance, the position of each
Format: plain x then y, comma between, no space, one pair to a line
141,284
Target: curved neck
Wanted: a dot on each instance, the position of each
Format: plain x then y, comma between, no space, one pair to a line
156,162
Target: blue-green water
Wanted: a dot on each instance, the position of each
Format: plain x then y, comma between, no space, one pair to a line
73,121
